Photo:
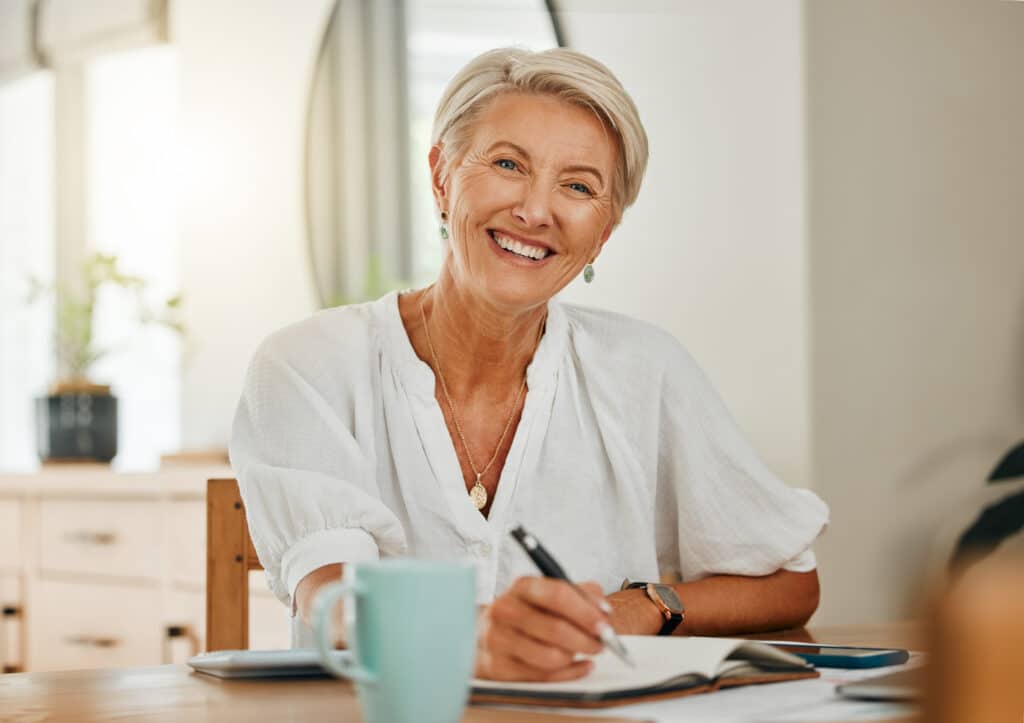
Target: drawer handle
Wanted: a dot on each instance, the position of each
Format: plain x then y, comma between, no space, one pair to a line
91,641
88,537
172,633
10,611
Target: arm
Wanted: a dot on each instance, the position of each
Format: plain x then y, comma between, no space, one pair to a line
725,605
725,521
305,594
310,494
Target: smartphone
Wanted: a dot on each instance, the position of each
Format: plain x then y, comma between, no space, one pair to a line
839,656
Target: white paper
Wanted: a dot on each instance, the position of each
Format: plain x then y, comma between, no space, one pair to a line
658,659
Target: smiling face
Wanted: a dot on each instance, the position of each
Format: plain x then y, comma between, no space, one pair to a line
529,203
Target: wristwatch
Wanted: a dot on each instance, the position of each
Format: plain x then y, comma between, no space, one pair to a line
665,599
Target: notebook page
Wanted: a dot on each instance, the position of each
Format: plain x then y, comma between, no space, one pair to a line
658,660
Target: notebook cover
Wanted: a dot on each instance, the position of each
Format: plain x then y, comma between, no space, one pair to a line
493,696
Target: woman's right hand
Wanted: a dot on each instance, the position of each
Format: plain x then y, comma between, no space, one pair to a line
305,596
535,630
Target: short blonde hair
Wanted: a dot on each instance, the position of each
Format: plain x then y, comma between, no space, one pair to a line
563,73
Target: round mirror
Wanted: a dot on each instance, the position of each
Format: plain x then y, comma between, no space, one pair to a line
379,75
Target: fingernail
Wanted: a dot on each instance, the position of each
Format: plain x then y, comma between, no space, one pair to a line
603,629
605,606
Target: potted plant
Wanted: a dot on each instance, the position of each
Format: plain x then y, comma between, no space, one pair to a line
77,419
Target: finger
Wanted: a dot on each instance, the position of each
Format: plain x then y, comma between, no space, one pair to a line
525,649
511,669
514,612
594,590
561,599
577,670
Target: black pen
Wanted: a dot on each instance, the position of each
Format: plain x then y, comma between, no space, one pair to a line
549,568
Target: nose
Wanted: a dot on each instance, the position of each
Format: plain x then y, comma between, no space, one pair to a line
534,207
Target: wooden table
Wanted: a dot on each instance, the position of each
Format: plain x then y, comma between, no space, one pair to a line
175,693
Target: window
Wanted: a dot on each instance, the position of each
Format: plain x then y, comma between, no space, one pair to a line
26,249
130,176
125,123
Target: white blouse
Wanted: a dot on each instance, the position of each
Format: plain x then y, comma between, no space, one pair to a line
625,462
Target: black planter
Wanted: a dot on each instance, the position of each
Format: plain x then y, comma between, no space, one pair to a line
76,426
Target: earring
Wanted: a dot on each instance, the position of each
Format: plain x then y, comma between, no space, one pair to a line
444,226
588,273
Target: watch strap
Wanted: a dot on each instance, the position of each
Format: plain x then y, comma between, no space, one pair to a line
672,619
671,623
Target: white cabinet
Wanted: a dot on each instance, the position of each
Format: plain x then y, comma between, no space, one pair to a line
186,542
10,535
112,537
12,635
76,625
104,569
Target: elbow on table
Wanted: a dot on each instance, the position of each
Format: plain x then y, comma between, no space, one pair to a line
804,598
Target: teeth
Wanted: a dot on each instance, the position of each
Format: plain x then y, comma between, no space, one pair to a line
521,249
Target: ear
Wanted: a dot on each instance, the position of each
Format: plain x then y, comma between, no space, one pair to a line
605,235
438,175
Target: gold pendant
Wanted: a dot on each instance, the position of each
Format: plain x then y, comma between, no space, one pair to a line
478,495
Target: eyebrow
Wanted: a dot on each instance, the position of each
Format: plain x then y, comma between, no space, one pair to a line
574,168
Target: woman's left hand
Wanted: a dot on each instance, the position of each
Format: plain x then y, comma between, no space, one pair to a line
633,613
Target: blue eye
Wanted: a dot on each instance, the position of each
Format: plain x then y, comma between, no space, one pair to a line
581,188
507,164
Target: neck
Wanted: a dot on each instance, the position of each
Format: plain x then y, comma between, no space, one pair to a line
480,348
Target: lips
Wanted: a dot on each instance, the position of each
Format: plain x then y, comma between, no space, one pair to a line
519,246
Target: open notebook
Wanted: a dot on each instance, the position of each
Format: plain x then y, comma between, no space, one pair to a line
665,667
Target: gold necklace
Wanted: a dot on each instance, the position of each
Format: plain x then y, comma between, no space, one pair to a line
477,493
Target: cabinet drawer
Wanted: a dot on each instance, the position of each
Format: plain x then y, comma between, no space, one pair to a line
10,590
11,620
188,610
76,625
269,620
187,542
10,534
106,538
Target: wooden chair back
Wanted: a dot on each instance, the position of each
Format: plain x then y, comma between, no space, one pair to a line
230,556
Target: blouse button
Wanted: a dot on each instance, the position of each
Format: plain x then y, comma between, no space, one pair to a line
483,549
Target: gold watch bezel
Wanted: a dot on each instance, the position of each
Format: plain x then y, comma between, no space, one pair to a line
652,593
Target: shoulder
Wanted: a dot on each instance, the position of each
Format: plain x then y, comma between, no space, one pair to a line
332,337
614,348
617,337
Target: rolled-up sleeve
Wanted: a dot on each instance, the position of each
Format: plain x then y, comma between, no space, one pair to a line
720,509
310,493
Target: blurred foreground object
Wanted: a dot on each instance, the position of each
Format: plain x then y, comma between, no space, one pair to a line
976,670
999,524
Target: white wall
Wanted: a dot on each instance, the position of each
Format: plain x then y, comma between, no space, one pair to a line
715,250
917,259
245,71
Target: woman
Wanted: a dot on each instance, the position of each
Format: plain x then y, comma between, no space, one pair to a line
429,423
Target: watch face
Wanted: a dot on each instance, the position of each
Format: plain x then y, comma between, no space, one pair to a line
669,597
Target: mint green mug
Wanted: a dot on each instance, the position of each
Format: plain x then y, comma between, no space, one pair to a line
411,628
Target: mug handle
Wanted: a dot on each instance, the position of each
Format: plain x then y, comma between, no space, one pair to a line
325,600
